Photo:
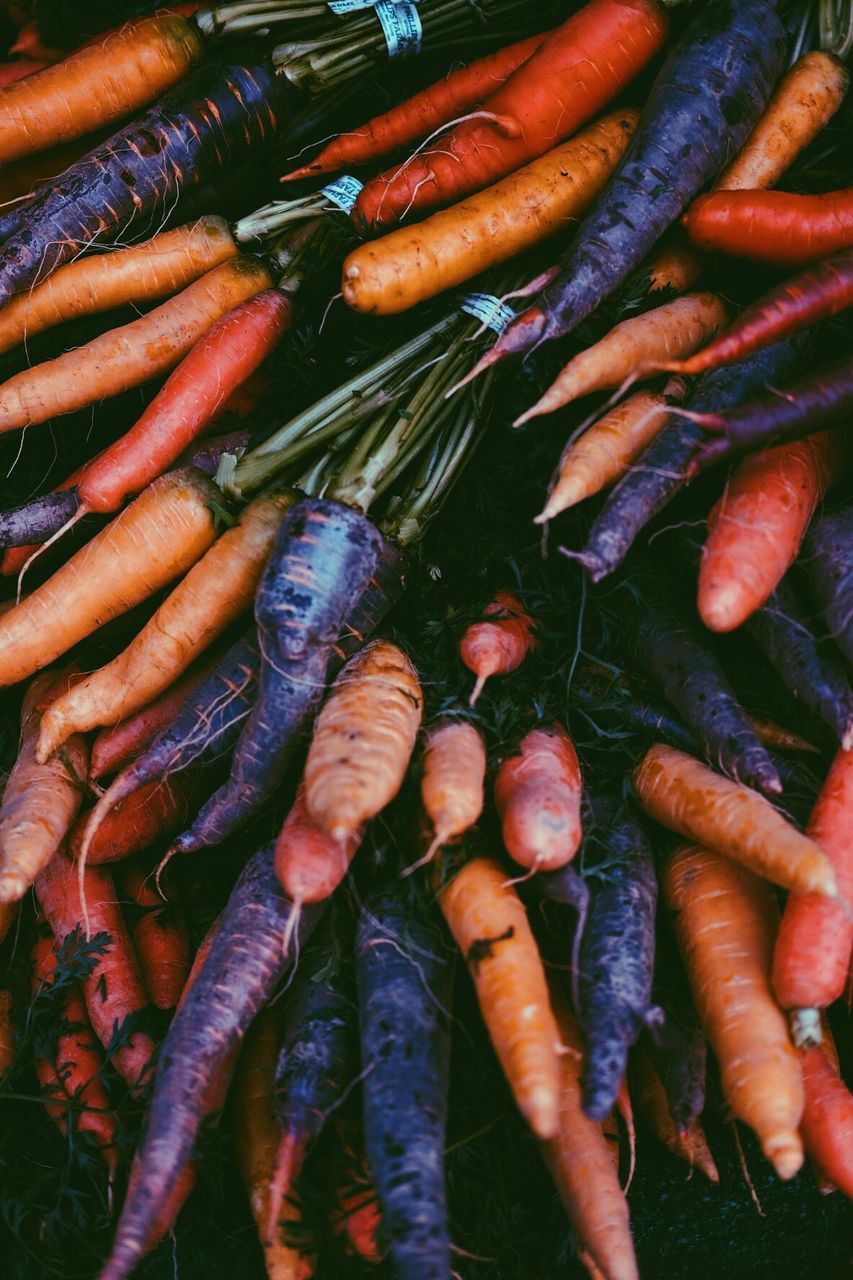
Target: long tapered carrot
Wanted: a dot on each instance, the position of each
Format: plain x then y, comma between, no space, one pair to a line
454,770
491,929
160,535
538,800
726,920
497,645
827,1124
681,793
690,1143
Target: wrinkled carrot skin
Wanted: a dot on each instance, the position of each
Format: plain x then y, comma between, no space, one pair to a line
137,822
726,920
114,989
100,83
391,275
755,530
141,273
815,944
827,1124
459,91
452,782
160,939
499,644
688,1144
776,227
40,801
157,537
681,793
582,1167
538,800
490,926
133,354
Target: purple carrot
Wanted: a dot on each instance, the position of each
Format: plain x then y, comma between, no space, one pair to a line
404,983
677,1046
238,975
829,558
37,520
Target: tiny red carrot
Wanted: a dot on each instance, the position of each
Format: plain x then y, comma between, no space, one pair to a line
499,644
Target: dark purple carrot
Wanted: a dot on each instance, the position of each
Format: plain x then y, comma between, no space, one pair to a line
702,106
330,578
617,951
137,176
829,557
239,974
663,470
677,1046
815,678
404,979
37,520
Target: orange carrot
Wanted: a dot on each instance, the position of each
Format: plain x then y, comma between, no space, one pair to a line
40,801
157,537
756,528
141,273
827,1124
538,799
681,793
779,738
815,943
153,813
499,644
688,1144
491,929
10,72
159,938
309,863
726,920
100,83
454,771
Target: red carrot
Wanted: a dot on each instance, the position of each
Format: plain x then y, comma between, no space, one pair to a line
827,1123
500,643
538,799
772,226
151,814
160,938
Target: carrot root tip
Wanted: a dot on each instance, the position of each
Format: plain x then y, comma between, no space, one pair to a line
478,689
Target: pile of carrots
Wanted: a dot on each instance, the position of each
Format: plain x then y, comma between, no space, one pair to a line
288,756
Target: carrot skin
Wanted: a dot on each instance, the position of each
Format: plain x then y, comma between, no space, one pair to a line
404,993
685,1144
498,644
829,560
772,226
827,1124
309,863
160,939
239,974
538,800
38,519
151,814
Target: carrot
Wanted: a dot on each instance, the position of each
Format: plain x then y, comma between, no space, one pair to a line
96,85
538,800
499,644
813,950
39,518
40,801
829,558
726,919
11,72
459,91
779,738
546,196
113,990
152,814
309,863
141,273
688,1144
363,740
491,929
776,227
827,1124
157,537
45,521
217,589
756,528
7,1032
132,354
636,347
70,1079
607,450
578,68
454,771
690,798
160,939
583,1171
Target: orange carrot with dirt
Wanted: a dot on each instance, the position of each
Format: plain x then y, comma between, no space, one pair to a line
40,801
756,528
160,938
685,795
538,800
363,740
386,276
489,923
726,920
827,1124
156,538
309,863
688,1144
452,782
497,645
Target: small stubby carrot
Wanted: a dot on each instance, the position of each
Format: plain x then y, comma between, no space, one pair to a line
411,264
309,863
580,1162
159,536
216,591
688,1144
726,919
138,274
490,926
132,354
160,938
635,347
40,801
453,777
815,943
756,528
606,451
363,740
683,794
145,818
100,83
538,799
71,1084
498,644
827,1123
